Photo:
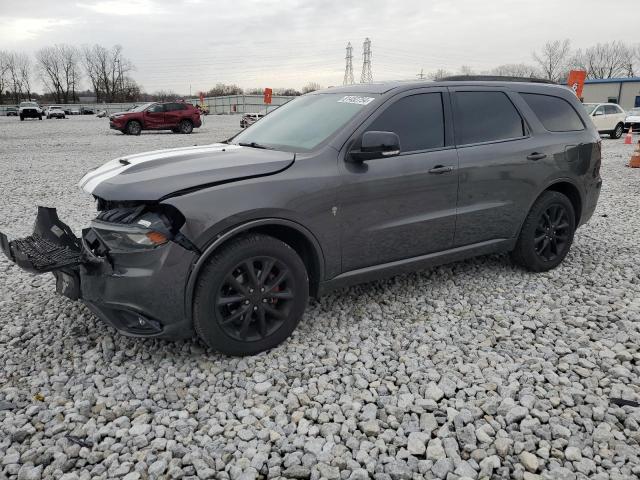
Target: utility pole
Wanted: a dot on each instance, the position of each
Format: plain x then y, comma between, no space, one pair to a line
366,76
348,70
421,75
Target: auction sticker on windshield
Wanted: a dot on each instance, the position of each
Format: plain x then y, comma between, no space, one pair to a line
356,99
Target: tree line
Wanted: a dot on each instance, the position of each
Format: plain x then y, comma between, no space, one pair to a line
61,68
556,59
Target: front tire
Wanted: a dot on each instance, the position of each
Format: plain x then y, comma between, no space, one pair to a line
134,127
250,296
547,233
617,132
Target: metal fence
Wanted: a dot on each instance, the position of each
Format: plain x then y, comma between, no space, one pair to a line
227,105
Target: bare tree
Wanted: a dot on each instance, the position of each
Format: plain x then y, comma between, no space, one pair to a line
18,69
516,70
223,90
554,59
439,74
59,70
311,87
107,70
4,73
607,60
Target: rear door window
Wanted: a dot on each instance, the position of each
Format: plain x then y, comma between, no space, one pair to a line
486,117
417,119
555,113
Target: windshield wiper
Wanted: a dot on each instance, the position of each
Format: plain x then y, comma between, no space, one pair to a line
255,145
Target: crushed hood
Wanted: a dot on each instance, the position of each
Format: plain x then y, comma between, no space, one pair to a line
155,175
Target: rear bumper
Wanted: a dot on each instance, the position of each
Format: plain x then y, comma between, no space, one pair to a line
30,114
139,293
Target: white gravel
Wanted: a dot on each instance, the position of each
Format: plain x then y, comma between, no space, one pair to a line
471,370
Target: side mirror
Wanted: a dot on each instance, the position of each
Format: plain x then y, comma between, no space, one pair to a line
376,145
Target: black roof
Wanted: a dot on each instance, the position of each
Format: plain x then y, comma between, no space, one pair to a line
458,80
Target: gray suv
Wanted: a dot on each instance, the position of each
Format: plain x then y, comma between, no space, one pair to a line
336,187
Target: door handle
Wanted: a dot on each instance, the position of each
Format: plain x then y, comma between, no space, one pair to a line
536,156
440,169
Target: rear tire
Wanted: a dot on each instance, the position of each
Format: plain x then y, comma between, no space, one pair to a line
547,233
21,118
250,296
617,132
185,126
134,127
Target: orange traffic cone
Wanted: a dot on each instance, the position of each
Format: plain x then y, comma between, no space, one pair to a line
635,157
628,139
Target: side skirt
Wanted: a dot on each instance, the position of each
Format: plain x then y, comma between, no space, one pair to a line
377,272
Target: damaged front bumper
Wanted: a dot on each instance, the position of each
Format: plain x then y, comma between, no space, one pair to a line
139,292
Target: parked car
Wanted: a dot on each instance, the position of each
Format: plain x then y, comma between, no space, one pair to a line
55,112
30,110
339,186
607,117
101,114
249,119
12,112
179,117
87,111
632,120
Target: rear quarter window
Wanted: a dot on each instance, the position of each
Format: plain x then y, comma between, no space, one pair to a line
555,113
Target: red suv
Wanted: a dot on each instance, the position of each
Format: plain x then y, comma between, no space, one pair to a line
179,117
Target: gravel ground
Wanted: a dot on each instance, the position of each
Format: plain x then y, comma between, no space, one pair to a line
471,370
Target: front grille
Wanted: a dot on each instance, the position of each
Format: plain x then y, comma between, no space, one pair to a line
44,254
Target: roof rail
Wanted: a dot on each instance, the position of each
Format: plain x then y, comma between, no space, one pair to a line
494,78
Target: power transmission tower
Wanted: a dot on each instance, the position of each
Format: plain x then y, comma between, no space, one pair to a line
348,71
366,76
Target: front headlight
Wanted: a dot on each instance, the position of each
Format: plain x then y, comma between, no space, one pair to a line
127,238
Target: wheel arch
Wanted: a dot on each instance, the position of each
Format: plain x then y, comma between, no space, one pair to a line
570,191
293,234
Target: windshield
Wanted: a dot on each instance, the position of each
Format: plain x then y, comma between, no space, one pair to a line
634,111
306,122
590,107
28,104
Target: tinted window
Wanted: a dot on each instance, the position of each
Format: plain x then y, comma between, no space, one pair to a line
486,117
555,113
611,110
417,119
171,107
156,108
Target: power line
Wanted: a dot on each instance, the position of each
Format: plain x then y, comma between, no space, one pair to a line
366,76
348,70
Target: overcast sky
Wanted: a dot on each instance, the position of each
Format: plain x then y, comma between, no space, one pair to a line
182,44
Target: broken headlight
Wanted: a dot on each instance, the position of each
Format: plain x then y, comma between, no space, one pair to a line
140,227
124,237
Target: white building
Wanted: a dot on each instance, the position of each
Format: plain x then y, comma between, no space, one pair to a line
623,91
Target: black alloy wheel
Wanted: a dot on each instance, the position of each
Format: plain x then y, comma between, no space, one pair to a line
546,234
552,232
255,298
250,295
